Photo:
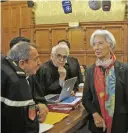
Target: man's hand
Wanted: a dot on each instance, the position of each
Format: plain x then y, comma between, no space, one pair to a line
62,72
99,121
43,110
72,93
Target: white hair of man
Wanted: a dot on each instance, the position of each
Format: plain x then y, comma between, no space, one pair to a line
108,36
60,46
20,51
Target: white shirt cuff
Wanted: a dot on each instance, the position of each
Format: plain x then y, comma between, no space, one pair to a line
61,82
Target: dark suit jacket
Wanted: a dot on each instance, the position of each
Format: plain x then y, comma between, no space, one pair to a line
90,100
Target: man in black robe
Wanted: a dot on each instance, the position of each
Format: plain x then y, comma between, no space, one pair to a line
37,90
73,63
18,106
53,73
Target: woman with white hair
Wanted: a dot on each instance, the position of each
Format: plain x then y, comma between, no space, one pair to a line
105,93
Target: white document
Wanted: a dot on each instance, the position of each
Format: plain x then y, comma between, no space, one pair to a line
44,127
79,94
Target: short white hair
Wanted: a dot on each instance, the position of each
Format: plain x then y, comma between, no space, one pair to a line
58,46
108,36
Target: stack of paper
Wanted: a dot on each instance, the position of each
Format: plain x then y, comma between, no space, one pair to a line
66,105
79,94
59,108
44,127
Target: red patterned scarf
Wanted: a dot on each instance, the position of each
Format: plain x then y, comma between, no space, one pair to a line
101,85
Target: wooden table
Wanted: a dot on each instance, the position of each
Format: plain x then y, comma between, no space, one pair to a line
72,123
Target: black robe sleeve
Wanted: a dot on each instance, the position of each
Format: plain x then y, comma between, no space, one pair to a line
37,91
48,78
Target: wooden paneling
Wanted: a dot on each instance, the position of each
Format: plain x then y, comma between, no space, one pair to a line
15,15
26,33
88,32
119,57
17,19
58,34
118,32
90,59
5,20
81,58
79,39
44,57
42,40
25,13
5,27
76,39
14,33
5,42
126,43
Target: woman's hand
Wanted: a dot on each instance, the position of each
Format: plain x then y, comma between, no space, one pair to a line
99,121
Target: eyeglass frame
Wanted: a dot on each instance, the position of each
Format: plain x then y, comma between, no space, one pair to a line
59,57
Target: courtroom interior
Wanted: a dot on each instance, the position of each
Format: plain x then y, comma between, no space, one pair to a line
64,66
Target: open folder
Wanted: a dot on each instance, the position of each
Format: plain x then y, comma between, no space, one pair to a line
53,117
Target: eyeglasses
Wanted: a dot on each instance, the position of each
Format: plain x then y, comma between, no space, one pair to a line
59,57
